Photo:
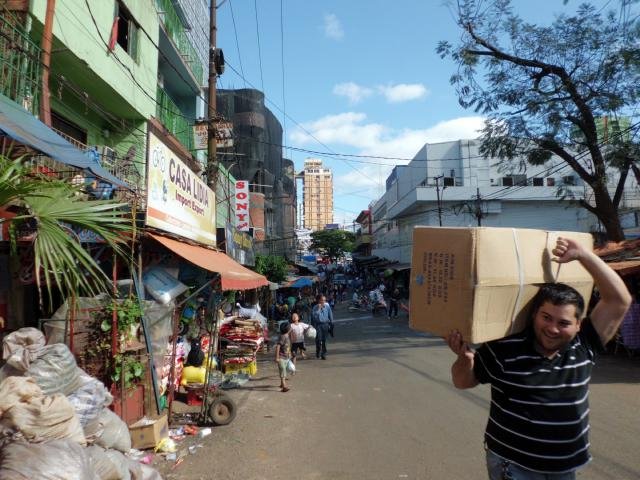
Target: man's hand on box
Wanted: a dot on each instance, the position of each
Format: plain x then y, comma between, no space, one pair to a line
459,346
567,250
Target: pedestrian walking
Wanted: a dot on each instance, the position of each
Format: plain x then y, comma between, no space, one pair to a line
394,299
322,319
283,354
298,330
538,422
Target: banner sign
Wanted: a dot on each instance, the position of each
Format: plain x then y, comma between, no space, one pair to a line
178,201
241,200
224,135
238,245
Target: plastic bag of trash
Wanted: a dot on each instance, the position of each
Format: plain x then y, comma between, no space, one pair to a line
109,464
140,471
115,433
56,460
55,370
44,418
89,400
21,347
14,390
7,371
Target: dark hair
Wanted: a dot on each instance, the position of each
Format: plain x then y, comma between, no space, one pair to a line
285,327
557,294
319,297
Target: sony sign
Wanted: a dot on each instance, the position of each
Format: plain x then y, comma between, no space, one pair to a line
241,198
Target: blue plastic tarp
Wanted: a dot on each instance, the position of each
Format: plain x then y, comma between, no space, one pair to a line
301,283
19,124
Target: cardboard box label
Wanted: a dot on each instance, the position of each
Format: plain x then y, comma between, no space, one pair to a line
440,269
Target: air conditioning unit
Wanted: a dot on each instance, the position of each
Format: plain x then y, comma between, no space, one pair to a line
107,156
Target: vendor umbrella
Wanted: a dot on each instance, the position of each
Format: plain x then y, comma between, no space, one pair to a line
301,283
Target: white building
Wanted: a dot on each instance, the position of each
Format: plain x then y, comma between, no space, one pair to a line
441,185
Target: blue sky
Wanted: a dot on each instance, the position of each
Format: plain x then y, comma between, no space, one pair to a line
361,77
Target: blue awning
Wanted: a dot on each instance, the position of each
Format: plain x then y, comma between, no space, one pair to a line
19,124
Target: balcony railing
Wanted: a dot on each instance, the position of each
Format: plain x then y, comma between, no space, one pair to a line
19,64
175,30
122,168
172,118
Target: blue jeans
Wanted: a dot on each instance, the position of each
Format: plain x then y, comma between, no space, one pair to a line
501,469
322,330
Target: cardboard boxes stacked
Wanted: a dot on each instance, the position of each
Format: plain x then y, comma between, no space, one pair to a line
481,281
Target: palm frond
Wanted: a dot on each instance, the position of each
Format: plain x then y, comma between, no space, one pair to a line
57,207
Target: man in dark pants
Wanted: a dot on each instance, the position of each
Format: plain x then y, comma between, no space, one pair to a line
394,298
538,422
322,320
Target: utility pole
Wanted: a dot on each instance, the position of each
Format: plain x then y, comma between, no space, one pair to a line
478,213
437,179
212,167
47,40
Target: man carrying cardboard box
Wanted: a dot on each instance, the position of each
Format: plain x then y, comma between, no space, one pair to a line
538,423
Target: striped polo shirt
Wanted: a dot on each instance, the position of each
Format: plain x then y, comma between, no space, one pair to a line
539,417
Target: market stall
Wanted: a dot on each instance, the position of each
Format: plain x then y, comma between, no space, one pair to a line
211,335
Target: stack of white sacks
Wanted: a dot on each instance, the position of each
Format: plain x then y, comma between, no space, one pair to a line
54,420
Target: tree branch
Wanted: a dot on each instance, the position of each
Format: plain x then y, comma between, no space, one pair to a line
554,147
624,172
636,172
585,204
589,129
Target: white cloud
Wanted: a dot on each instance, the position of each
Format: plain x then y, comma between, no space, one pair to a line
333,27
350,131
403,92
354,92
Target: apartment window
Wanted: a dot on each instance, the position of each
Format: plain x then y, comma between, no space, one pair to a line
68,128
127,31
538,182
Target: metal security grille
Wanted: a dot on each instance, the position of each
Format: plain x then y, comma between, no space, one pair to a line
19,64
176,32
172,118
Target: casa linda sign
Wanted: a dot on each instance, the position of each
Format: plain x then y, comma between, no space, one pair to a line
241,201
178,201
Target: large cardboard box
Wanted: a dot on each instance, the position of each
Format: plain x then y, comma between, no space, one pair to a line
147,433
481,281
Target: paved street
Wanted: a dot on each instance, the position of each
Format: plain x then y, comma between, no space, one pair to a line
382,407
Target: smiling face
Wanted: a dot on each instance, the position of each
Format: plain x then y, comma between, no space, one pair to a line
554,327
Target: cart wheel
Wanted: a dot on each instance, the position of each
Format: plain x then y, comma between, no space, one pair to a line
222,410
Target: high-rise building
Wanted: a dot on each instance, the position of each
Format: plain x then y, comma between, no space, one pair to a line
318,194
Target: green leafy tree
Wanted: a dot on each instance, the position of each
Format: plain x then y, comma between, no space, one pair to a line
47,208
274,267
332,243
546,89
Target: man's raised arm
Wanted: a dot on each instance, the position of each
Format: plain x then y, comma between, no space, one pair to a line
614,295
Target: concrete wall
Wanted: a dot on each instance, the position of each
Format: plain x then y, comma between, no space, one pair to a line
75,29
